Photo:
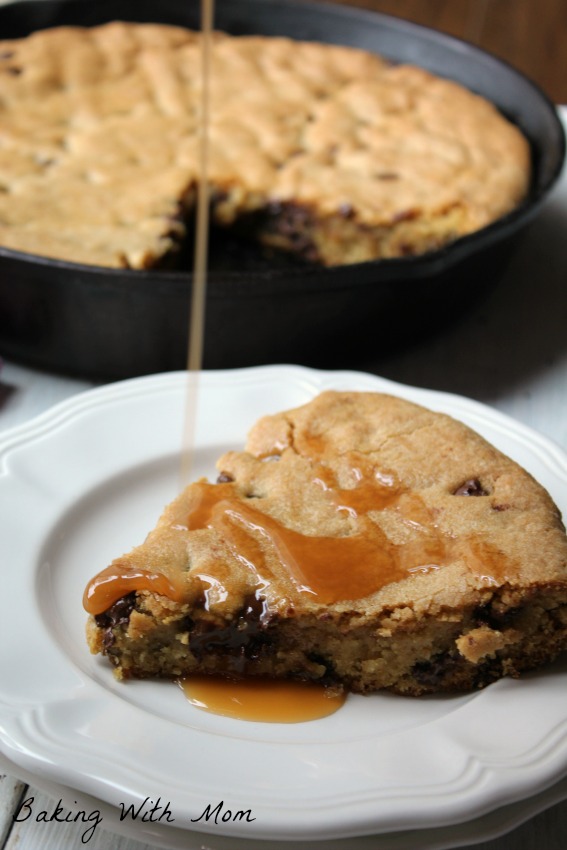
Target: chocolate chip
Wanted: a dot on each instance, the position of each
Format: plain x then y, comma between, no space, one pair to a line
14,71
311,255
328,677
405,215
224,478
6,54
219,196
107,639
245,638
432,673
388,175
118,614
346,210
495,616
472,487
293,223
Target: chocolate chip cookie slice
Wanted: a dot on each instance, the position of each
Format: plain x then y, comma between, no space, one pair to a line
360,541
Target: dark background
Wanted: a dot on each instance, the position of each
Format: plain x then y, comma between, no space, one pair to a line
530,34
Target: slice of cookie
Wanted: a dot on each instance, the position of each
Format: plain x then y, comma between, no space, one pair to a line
361,541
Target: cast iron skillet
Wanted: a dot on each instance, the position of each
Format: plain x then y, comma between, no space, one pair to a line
110,324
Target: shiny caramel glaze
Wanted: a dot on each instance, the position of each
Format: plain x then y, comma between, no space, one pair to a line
262,700
328,568
115,582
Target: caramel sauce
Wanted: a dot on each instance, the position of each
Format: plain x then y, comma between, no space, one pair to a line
330,569
374,490
261,700
265,701
114,582
199,285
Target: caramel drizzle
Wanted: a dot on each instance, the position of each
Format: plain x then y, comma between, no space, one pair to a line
115,581
330,569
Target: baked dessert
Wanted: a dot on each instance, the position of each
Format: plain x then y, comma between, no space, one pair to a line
360,541
322,150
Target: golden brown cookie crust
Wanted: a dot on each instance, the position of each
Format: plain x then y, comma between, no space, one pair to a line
347,157
360,540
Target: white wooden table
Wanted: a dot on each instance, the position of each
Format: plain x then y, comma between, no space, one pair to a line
509,352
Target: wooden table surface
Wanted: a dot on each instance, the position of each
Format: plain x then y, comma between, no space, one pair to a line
529,34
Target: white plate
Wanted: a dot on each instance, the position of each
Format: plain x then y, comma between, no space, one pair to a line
490,826
86,481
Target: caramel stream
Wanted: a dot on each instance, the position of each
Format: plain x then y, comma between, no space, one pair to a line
251,700
199,288
330,569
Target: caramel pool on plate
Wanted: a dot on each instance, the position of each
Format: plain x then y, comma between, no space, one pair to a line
262,700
